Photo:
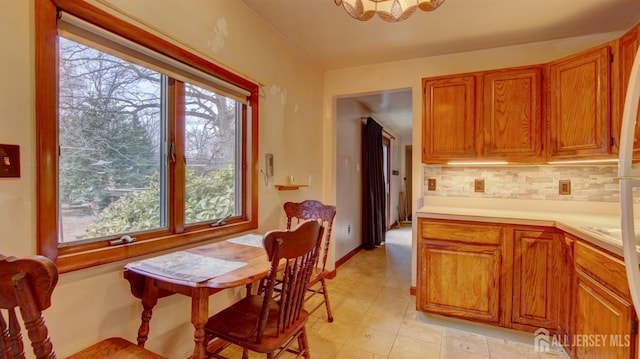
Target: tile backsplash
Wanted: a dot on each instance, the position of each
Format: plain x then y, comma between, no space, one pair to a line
588,183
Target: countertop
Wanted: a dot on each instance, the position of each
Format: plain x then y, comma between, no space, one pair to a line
585,220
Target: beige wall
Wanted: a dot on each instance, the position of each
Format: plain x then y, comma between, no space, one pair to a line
93,304
297,125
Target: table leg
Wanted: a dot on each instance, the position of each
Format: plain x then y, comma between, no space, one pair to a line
199,317
149,300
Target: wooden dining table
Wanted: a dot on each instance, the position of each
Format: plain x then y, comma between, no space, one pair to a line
198,273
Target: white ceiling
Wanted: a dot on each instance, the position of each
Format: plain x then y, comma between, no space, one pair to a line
332,39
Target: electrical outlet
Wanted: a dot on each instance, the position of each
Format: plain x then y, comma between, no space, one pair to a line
564,187
478,185
431,184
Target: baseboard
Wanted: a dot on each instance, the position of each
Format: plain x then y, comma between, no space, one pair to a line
343,260
412,291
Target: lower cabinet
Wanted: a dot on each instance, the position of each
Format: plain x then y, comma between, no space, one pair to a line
471,271
460,270
536,290
527,278
605,324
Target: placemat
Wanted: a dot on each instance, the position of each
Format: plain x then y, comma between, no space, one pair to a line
186,266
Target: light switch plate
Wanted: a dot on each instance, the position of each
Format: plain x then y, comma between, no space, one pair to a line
9,160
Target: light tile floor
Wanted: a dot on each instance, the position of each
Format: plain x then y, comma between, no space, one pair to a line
375,317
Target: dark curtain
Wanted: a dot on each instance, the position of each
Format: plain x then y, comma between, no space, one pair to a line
373,202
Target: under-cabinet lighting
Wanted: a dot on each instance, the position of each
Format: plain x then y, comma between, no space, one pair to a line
580,162
477,163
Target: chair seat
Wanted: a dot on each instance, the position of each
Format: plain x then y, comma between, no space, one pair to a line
236,324
115,348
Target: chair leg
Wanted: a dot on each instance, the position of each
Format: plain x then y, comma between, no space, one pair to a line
245,353
261,286
326,300
303,343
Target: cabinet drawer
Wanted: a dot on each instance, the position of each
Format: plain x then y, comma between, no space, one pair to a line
465,232
608,270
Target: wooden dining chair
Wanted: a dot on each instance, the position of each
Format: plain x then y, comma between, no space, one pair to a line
312,209
26,285
259,322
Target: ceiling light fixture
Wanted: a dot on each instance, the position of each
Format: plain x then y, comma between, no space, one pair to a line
387,10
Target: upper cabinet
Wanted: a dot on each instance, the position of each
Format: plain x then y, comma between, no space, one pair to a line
449,118
628,46
495,115
512,115
568,109
579,104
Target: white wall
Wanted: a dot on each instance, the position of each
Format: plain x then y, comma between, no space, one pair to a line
347,230
408,74
92,304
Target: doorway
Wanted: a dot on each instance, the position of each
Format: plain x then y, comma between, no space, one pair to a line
393,109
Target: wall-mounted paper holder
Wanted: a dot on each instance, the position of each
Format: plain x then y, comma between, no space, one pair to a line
268,168
9,160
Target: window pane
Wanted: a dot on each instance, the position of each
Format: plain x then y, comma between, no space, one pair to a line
211,130
110,134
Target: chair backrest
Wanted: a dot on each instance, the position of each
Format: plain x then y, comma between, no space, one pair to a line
26,284
292,253
312,209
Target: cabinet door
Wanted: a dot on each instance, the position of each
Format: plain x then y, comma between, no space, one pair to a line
580,105
629,43
603,322
460,280
449,118
535,264
512,127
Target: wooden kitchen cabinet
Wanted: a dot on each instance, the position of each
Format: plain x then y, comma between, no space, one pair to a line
602,305
512,114
580,93
526,278
449,118
628,46
536,287
492,115
568,109
599,311
460,269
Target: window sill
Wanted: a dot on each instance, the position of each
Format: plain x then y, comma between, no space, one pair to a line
289,187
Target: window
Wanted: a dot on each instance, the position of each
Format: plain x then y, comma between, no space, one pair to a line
136,139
